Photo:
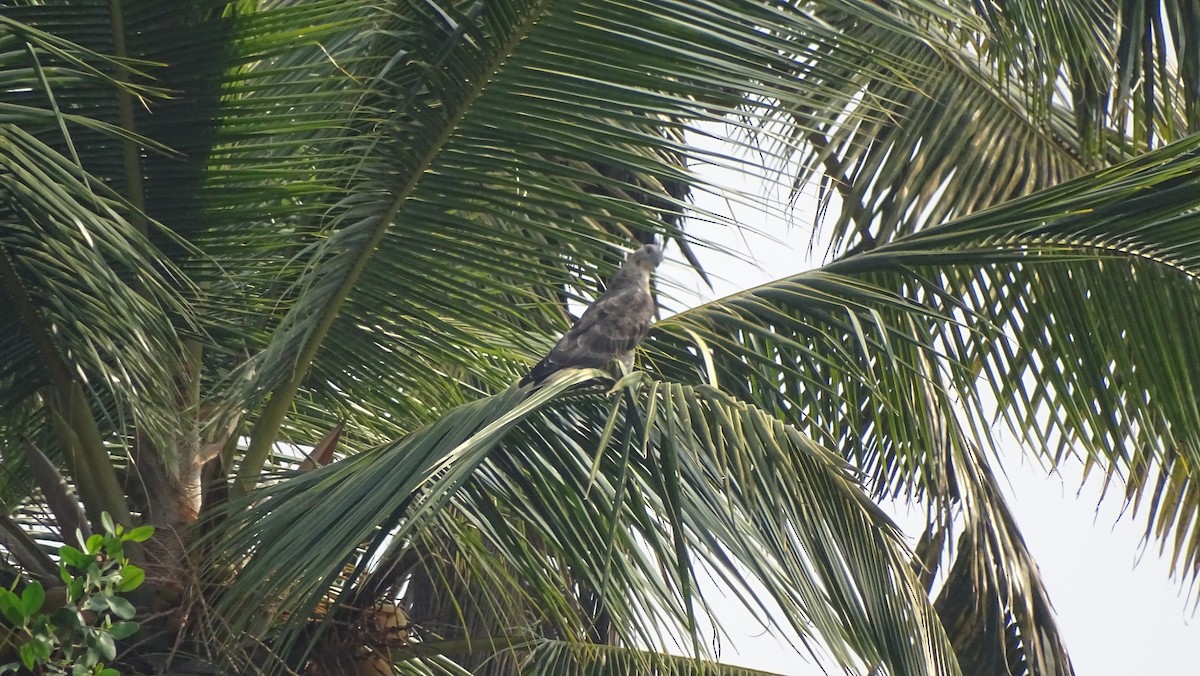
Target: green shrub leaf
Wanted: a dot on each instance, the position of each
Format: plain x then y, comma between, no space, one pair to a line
120,607
73,557
131,578
68,617
93,575
106,646
75,587
121,630
42,647
32,597
139,534
27,655
12,608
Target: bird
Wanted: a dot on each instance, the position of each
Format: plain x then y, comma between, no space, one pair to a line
612,326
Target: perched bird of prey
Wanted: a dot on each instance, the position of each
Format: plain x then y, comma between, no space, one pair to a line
612,326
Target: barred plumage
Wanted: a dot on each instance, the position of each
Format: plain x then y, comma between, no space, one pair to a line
611,328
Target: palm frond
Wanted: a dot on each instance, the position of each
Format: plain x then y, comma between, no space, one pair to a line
562,657
478,176
629,510
94,303
1046,92
1119,66
377,212
922,162
993,601
420,471
885,355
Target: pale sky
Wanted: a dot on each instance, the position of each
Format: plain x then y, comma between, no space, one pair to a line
1117,607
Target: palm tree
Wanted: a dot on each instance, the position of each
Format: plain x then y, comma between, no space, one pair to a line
233,230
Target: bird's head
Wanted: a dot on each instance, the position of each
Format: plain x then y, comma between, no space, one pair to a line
646,258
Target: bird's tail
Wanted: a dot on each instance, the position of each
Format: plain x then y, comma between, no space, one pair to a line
538,373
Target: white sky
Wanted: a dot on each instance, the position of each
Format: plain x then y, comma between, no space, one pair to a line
1119,611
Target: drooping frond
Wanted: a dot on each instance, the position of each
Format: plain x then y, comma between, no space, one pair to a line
628,510
552,658
1116,66
993,601
87,298
478,181
421,472
1071,307
950,145
1047,92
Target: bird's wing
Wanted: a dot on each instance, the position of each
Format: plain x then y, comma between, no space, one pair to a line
614,324
611,327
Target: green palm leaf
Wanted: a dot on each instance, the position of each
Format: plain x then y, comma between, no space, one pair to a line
561,657
993,294
695,477
1052,90
66,238
304,213
477,175
998,303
